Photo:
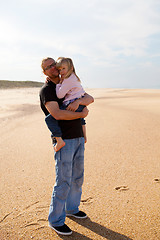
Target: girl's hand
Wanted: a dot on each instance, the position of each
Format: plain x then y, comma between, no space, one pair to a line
73,106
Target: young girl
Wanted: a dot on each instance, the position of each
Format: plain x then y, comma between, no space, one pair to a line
70,89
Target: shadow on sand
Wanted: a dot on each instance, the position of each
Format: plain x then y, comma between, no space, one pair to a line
96,228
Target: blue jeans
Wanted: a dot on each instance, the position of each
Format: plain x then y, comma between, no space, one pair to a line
69,166
52,123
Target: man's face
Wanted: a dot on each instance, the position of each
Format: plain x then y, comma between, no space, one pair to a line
49,68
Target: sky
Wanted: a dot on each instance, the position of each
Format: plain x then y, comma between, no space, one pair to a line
113,43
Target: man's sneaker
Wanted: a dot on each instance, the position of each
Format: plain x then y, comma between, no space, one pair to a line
80,214
63,230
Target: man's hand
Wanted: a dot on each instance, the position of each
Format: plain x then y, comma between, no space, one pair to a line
61,80
73,106
47,80
85,112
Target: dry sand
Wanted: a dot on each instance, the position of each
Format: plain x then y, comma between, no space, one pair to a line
121,192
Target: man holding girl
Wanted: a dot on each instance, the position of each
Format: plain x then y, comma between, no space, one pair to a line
69,157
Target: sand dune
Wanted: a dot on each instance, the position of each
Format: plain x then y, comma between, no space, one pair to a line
121,191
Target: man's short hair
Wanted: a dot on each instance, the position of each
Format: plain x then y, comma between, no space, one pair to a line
44,60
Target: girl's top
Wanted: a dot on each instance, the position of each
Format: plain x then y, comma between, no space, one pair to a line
70,89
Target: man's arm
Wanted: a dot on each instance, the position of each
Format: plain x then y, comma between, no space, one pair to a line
86,100
58,114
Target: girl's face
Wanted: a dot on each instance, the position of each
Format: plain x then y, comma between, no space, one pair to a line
63,70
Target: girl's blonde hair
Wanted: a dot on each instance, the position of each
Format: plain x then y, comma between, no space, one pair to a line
70,65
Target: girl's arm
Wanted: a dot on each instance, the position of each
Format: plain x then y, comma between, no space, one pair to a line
86,100
63,88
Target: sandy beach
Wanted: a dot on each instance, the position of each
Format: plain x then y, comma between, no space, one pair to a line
121,191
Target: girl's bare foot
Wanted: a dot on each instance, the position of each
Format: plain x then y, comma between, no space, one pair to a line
60,143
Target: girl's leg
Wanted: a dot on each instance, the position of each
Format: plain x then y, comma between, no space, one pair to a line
53,126
84,133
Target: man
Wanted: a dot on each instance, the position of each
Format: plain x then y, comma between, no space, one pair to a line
69,160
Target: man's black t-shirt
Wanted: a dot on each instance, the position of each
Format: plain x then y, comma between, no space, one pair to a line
70,128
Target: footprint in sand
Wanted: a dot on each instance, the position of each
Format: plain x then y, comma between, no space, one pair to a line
157,180
87,200
122,188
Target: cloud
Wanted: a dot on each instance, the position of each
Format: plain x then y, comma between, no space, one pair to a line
105,34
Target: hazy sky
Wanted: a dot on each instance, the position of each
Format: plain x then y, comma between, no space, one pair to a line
113,43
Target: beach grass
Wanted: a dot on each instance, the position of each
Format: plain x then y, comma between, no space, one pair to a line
6,84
